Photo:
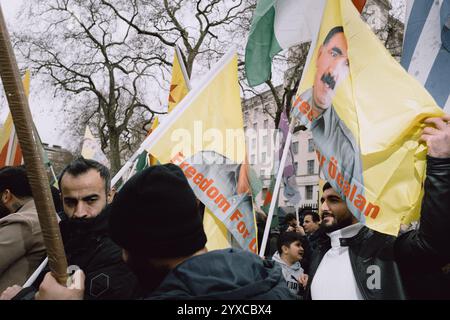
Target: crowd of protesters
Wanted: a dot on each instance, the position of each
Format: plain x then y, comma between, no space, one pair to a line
127,246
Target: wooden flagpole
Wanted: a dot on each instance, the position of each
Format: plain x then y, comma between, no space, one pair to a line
34,164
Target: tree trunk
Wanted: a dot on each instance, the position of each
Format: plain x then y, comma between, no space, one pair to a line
114,152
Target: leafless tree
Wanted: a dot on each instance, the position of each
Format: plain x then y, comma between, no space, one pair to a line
99,65
203,29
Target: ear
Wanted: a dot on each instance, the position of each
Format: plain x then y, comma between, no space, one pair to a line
6,196
110,195
284,249
319,53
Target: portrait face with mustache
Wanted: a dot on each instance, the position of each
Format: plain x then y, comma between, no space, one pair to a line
332,66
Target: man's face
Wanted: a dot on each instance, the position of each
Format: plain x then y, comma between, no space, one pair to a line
332,67
309,225
335,213
292,223
83,196
294,252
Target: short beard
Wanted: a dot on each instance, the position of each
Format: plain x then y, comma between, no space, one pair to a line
150,276
337,225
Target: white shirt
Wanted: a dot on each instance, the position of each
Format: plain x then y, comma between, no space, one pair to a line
334,278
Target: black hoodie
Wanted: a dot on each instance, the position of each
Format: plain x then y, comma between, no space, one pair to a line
229,274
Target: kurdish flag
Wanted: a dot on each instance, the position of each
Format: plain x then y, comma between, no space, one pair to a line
278,25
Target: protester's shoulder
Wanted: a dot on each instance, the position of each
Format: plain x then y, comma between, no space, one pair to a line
230,254
224,274
24,220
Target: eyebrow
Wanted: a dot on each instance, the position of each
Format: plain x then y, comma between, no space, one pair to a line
83,198
337,50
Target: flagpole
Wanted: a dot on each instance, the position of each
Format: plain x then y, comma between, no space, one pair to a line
276,189
37,176
176,113
183,68
315,29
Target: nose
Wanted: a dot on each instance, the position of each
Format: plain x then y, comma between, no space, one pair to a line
324,207
80,210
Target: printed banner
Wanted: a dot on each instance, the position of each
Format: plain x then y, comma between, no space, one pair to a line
365,113
206,139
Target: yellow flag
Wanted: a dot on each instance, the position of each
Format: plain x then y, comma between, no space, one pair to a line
10,152
366,113
206,139
179,88
179,85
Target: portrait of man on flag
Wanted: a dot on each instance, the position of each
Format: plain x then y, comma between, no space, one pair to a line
314,109
366,131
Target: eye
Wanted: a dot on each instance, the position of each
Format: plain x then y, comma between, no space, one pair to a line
334,54
91,200
70,202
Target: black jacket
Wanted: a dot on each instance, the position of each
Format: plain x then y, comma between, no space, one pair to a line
88,246
401,259
229,274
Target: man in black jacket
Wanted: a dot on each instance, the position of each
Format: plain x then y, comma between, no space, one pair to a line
85,194
355,262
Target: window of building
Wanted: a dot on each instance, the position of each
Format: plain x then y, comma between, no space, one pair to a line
253,143
255,125
263,157
266,124
310,167
262,172
309,192
310,145
295,147
265,141
296,168
252,159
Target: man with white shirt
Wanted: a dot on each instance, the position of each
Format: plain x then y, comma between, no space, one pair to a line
356,263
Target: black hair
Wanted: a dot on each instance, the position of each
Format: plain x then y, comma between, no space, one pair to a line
332,32
326,186
81,165
15,179
286,238
289,217
314,215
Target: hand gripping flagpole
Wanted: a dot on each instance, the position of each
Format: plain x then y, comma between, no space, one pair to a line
34,164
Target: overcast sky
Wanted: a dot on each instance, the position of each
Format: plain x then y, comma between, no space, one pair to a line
46,121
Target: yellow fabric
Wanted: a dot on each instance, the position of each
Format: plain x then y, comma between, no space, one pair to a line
384,107
214,111
216,232
7,129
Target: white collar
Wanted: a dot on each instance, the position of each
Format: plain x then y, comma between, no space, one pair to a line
347,232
